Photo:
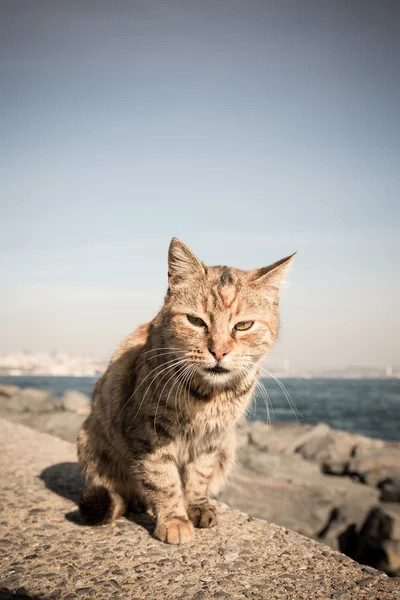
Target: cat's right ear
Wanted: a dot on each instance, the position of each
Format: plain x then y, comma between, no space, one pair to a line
182,263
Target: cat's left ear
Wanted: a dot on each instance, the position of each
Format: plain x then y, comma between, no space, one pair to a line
182,263
270,278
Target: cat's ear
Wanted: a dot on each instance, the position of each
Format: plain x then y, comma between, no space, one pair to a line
270,278
182,263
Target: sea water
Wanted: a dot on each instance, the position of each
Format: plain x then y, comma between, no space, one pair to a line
367,406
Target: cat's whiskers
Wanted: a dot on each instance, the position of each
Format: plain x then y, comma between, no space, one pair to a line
284,390
184,358
181,387
186,373
181,369
189,383
242,377
275,360
176,403
148,375
175,362
267,400
264,394
281,364
141,383
169,352
168,370
185,384
162,348
163,373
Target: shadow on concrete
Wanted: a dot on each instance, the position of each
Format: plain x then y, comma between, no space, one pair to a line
20,594
65,479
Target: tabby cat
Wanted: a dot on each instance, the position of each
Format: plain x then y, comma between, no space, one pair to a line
161,433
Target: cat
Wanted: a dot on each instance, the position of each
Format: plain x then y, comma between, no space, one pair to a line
161,433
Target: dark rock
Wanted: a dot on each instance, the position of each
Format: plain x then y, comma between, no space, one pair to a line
380,469
379,539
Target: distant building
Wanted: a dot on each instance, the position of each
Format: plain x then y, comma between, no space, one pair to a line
53,364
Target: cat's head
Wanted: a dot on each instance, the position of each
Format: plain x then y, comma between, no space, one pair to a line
220,319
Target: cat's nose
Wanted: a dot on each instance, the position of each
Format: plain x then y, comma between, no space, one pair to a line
218,354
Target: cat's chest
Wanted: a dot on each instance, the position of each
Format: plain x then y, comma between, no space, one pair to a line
204,432
189,447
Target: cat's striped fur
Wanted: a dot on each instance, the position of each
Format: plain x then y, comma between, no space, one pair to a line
161,434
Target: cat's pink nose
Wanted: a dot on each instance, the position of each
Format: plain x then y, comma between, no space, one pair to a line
217,354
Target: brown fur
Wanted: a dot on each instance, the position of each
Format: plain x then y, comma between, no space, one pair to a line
161,434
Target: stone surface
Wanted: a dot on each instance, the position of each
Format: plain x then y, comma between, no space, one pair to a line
273,487
76,402
380,469
276,438
28,400
7,390
46,552
285,466
280,468
331,449
63,424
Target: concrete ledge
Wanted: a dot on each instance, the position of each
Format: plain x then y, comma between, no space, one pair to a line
45,552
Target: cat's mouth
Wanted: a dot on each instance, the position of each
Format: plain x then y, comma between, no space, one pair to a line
218,370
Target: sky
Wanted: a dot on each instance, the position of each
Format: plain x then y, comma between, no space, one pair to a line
249,129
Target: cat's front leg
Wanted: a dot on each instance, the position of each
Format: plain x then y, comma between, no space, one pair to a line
162,486
198,475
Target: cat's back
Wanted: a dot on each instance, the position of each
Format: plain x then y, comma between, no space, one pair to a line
133,343
120,375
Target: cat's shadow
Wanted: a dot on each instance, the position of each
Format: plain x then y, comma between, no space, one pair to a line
65,479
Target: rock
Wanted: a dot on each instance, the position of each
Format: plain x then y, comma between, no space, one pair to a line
28,400
38,409
336,452
333,509
288,490
63,424
77,402
275,438
279,501
379,539
277,466
9,390
242,434
331,449
380,469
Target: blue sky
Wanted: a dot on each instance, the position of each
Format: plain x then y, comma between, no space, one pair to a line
247,129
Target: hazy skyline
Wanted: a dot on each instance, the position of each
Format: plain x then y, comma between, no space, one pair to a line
248,129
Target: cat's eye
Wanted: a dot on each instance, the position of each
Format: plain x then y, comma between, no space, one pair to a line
243,325
196,321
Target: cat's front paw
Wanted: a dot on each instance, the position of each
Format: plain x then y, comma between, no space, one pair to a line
203,515
177,530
